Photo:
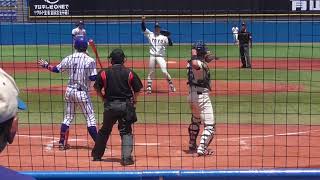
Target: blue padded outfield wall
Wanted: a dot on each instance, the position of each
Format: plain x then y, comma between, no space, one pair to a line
182,32
298,174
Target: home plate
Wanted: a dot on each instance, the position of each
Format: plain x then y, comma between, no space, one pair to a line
147,144
172,62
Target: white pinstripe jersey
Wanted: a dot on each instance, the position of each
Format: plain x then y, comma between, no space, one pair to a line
235,30
157,43
79,67
78,32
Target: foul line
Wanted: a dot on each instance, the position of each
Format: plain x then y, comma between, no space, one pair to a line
245,146
50,144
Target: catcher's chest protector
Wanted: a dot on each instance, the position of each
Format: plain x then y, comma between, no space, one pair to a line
203,81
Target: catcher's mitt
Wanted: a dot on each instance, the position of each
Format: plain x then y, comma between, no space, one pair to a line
165,32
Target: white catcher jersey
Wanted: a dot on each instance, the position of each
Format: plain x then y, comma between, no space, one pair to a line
157,43
78,32
79,67
235,30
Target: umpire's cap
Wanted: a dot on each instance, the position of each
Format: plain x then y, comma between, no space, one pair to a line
9,101
117,56
81,43
243,24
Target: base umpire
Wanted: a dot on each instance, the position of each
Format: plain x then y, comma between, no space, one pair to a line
119,87
245,39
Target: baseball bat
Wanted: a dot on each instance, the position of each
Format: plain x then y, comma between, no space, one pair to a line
95,51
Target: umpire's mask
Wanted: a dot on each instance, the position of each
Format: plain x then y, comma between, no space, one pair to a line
117,56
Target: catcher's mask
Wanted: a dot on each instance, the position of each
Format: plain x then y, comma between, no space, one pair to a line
201,48
117,56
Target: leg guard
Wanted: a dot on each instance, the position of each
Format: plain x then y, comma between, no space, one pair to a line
194,129
126,146
206,137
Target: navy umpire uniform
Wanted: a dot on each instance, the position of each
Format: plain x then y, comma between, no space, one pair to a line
119,87
245,39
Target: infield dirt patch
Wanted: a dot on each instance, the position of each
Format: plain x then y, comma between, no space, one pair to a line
219,88
164,146
292,64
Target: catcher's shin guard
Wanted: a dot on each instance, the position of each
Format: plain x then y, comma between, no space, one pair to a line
193,129
206,138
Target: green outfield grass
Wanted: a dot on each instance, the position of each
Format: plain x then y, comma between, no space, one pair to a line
20,53
277,108
307,78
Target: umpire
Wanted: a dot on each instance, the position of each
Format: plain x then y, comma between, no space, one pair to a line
245,39
119,87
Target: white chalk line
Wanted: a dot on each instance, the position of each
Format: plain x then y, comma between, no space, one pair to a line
242,140
245,146
50,144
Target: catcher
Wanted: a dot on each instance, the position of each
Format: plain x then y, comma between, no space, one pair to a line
199,99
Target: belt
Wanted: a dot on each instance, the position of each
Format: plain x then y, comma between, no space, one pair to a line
117,100
198,92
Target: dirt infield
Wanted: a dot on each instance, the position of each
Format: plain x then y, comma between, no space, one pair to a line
160,88
292,64
163,146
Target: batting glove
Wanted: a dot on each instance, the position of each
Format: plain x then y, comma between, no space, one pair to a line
43,63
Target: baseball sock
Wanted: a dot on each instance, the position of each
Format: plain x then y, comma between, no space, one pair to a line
93,132
149,83
64,128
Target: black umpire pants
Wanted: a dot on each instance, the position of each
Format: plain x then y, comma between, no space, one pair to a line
115,111
245,55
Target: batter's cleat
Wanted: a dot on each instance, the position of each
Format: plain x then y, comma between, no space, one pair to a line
207,152
127,162
149,90
172,88
63,147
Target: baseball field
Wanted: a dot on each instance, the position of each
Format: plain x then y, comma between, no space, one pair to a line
266,117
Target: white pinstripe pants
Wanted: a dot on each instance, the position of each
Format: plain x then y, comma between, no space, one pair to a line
75,98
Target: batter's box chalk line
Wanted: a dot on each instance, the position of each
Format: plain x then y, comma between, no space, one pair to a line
244,141
49,145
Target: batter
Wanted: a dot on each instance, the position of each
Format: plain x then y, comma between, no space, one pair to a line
81,69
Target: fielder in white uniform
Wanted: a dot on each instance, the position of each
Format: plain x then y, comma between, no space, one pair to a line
199,99
158,44
79,30
235,31
81,69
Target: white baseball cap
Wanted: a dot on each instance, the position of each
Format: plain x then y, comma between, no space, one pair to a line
9,101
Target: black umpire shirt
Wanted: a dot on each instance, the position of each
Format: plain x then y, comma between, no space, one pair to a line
244,38
119,83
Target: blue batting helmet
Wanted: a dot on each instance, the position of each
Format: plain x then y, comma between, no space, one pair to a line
201,47
80,44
